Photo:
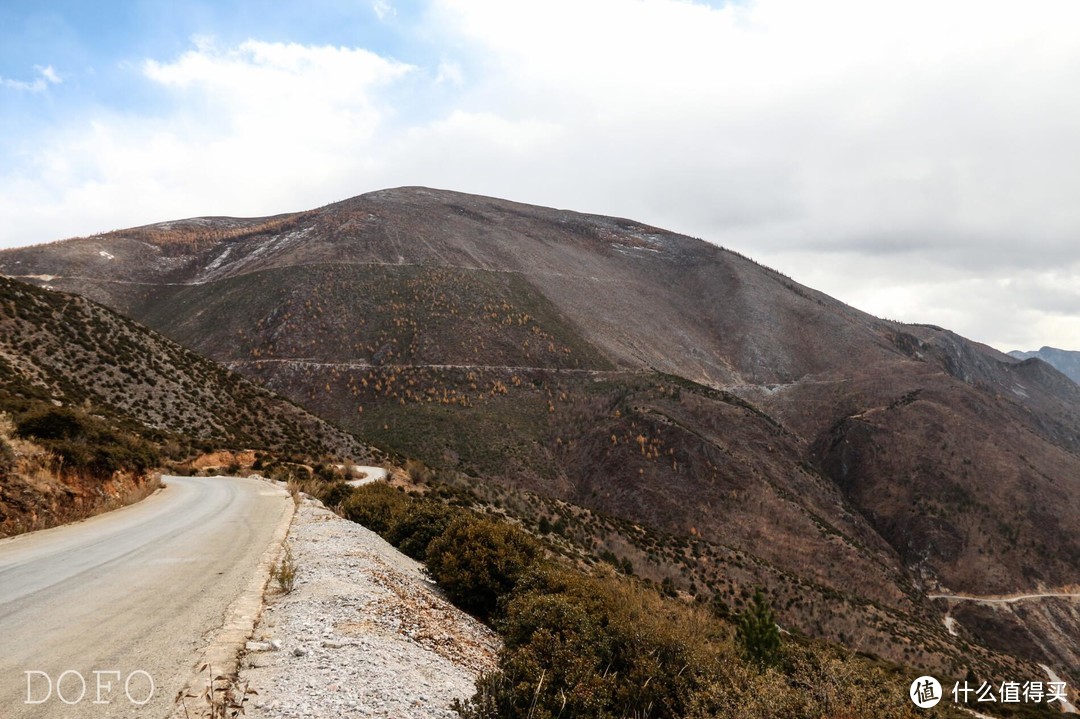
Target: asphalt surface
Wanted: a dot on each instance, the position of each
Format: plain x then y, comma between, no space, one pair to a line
135,593
371,474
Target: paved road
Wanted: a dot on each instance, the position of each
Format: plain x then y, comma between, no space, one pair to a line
371,474
139,589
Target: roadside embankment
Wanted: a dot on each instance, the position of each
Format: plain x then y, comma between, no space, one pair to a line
363,634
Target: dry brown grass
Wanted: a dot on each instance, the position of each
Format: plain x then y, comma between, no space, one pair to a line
49,493
284,573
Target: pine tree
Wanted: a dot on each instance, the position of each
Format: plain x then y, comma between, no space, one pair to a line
757,633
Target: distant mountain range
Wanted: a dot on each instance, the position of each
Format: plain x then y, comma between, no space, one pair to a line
674,404
1065,361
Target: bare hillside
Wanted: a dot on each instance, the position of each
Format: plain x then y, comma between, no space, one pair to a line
635,374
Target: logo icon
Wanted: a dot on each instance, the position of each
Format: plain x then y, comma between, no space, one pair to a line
925,692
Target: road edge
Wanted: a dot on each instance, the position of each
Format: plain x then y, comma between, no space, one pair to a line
222,654
10,538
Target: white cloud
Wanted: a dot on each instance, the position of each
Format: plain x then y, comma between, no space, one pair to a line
256,129
383,9
1008,308
954,118
49,74
449,72
883,139
46,76
854,145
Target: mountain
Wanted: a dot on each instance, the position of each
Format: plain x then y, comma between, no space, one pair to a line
661,399
70,351
103,393
1065,361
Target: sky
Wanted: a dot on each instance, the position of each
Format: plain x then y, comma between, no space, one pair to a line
919,160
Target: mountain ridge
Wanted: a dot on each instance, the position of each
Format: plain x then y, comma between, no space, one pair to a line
1065,361
635,372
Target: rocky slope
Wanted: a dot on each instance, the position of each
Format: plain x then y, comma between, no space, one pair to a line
104,400
66,350
675,392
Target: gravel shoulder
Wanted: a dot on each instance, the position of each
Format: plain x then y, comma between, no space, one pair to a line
363,634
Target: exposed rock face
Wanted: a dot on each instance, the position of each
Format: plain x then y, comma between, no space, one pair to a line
43,498
224,458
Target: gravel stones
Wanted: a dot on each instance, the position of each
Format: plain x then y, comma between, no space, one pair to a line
363,634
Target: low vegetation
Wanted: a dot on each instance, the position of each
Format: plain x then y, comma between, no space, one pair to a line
596,644
83,443
62,350
284,572
60,464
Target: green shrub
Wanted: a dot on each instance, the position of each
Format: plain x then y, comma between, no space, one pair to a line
554,627
328,473
334,493
601,647
85,443
56,423
605,647
7,454
419,524
757,633
419,472
284,572
377,506
477,561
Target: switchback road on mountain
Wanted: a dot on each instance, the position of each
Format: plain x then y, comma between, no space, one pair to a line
1000,599
134,594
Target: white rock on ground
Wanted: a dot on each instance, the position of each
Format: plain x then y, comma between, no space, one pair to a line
364,633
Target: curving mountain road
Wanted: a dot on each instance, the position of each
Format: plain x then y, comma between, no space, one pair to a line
951,623
135,592
371,474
